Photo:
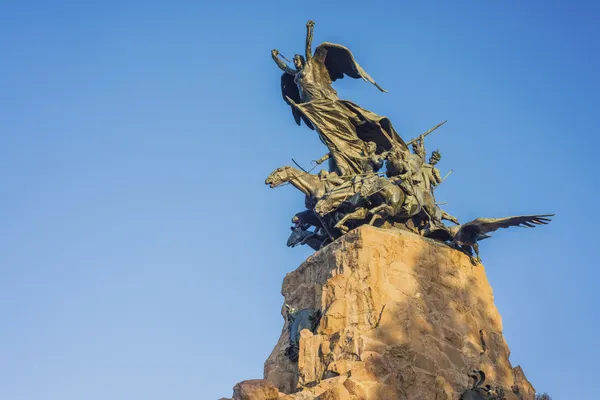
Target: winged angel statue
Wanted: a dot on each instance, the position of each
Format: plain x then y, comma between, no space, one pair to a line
343,126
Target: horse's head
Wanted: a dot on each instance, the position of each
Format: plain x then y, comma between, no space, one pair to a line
297,236
278,177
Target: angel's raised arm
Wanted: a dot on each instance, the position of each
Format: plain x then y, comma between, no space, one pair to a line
310,26
283,66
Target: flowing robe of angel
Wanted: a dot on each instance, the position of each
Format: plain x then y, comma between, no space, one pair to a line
343,126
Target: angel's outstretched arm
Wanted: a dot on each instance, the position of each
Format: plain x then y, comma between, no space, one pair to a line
323,159
283,66
310,26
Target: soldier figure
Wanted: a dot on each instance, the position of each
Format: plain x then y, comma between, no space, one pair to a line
431,175
418,147
372,162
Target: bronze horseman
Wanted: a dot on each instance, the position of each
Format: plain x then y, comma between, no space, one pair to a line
343,126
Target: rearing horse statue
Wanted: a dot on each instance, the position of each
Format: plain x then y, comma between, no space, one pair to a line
313,186
328,192
309,184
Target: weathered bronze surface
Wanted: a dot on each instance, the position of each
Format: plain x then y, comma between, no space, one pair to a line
480,392
307,318
373,177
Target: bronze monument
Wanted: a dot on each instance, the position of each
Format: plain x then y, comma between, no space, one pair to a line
393,313
360,144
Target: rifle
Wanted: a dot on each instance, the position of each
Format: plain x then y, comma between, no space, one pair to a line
426,133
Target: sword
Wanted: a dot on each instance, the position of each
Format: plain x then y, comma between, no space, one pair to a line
435,187
282,56
448,174
299,166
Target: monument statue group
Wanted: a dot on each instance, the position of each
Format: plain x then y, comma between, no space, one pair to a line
373,177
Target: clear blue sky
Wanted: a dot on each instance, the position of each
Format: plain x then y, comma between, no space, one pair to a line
141,253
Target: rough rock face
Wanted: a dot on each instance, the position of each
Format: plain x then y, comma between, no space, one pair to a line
404,317
255,389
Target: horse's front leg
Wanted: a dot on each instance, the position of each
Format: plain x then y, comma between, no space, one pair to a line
379,210
360,213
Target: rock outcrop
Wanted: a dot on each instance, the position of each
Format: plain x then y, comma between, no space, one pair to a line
255,389
403,317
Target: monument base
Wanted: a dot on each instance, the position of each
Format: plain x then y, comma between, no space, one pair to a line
403,317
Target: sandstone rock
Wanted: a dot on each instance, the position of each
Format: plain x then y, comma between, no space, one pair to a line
522,385
312,357
442,391
404,317
255,389
335,393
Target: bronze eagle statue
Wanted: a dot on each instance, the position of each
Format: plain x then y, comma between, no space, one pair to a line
465,237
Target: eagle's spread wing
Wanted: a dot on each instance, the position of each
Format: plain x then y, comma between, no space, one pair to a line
487,225
289,89
339,61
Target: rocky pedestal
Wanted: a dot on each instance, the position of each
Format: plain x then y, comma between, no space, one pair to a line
404,317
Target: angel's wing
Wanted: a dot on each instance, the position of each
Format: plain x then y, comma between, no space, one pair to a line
289,90
339,61
487,225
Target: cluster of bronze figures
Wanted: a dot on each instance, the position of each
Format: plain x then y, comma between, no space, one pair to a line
361,144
